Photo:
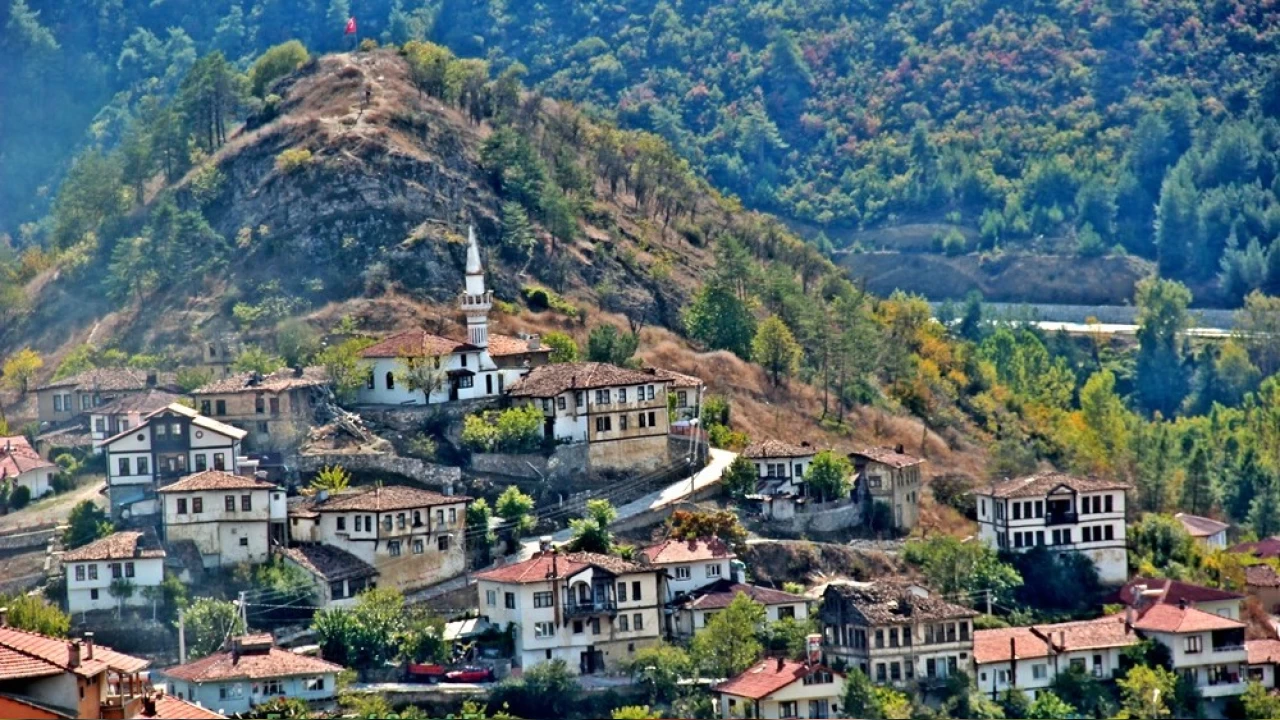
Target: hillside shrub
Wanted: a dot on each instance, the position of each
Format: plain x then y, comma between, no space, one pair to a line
514,430
293,160
540,299
20,497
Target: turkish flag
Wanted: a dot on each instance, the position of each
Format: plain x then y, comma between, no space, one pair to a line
351,26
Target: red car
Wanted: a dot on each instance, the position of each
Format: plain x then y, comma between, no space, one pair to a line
428,673
470,675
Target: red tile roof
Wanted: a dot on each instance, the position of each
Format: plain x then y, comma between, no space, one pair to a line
254,665
767,449
675,550
1171,592
196,419
1267,548
768,677
551,380
993,645
1261,576
18,457
1200,527
888,456
216,480
1043,483
1030,642
113,380
1262,651
678,380
720,594
19,647
37,707
539,568
124,545
415,343
168,707
505,345
1173,619
385,499
328,562
279,381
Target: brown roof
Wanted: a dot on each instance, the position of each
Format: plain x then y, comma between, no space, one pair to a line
216,480
415,343
888,456
1043,483
113,380
386,498
1174,619
277,382
1261,576
1031,642
723,592
504,345
891,602
18,457
768,677
539,567
194,417
1267,548
28,654
1262,651
143,403
252,665
36,707
302,507
1200,527
1171,592
678,380
675,550
767,449
123,545
328,562
551,380
168,707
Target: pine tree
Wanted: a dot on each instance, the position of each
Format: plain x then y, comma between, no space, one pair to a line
517,232
776,349
1197,490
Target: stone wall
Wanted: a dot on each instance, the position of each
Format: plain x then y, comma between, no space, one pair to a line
821,518
430,474
28,539
566,462
415,418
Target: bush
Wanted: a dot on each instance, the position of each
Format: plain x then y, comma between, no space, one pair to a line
368,45
514,430
540,298
20,497
953,243
293,160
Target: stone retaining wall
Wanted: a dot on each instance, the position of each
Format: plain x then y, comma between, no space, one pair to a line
440,476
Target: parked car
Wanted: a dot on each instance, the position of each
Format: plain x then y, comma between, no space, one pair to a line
426,672
470,675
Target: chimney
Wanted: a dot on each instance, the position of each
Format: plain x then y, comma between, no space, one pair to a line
73,654
1182,603
88,645
149,705
297,371
151,378
544,544
1128,618
899,448
4,617
535,343
781,663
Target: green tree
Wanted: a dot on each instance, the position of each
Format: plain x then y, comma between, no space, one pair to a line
1160,542
1145,692
333,478
86,523
517,239
1048,706
428,66
634,712
283,708
862,699
547,689
739,478
36,614
954,567
297,342
607,345
1259,703
1162,315
20,368
342,366
209,622
721,320
516,508
563,348
91,195
121,589
425,374
591,533
728,644
365,635
776,349
254,359
696,524
275,63
830,476
658,669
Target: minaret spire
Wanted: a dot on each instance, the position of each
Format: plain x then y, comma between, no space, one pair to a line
475,300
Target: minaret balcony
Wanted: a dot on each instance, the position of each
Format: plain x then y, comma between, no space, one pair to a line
483,301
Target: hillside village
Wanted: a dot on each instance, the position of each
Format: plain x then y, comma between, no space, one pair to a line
401,388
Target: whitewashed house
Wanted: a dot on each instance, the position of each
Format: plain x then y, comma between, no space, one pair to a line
781,688
125,412
1264,655
1064,512
691,613
688,565
231,519
251,672
1142,592
780,466
338,575
1030,658
22,466
1209,649
169,444
131,556
483,365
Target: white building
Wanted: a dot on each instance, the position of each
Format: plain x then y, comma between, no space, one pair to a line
1209,649
780,688
252,672
780,466
230,518
691,613
1030,658
338,575
688,565
22,466
1207,531
169,444
1264,655
592,611
1064,512
483,365
132,556
125,412
1142,592
412,537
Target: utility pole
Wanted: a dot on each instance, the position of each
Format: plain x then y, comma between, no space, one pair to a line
182,637
987,594
244,615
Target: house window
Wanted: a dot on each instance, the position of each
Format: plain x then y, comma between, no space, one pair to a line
246,503
622,592
1039,672
93,594
439,517
543,629
79,572
123,466
650,392
622,421
635,590
182,506
219,461
386,523
115,571
1107,503
202,462
577,627
546,405
882,674
368,381
393,548
637,622
604,424
560,403
93,571
509,601
274,404
391,380
220,407
602,397
453,515
879,638
128,569
682,397
786,611
713,570
259,404
623,623
643,422
442,543
491,598
197,506
790,708
263,428
1108,532
401,521
577,399
542,599
229,502
342,523
313,684
653,421
417,518
57,403
419,546
244,542
466,381
1194,644
100,424
464,359
683,572
85,402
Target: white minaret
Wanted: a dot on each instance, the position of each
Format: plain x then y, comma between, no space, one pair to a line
475,301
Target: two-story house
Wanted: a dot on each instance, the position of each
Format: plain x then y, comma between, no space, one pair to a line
126,412
1064,512
780,466
252,672
691,613
274,410
1210,533
338,575
592,611
897,633
1264,656
231,519
689,564
620,414
782,688
1207,649
685,395
412,537
1142,592
169,444
483,365
1030,658
90,572
21,465
59,401
892,477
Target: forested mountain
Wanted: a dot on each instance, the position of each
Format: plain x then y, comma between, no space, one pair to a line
1082,127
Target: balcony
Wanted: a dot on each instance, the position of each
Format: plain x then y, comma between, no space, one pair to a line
586,609
1066,517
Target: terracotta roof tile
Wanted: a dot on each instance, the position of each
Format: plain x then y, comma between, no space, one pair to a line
1042,483
1200,527
386,498
994,645
169,707
678,380
505,345
893,601
768,677
723,592
766,449
415,343
675,550
1261,576
114,380
1173,619
539,567
329,563
1267,548
216,480
551,380
143,403
196,419
888,456
1171,592
1032,642
124,545
37,707
1262,651
18,457
278,381
15,665
56,652
252,665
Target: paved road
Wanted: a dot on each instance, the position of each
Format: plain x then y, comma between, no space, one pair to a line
55,508
1073,328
